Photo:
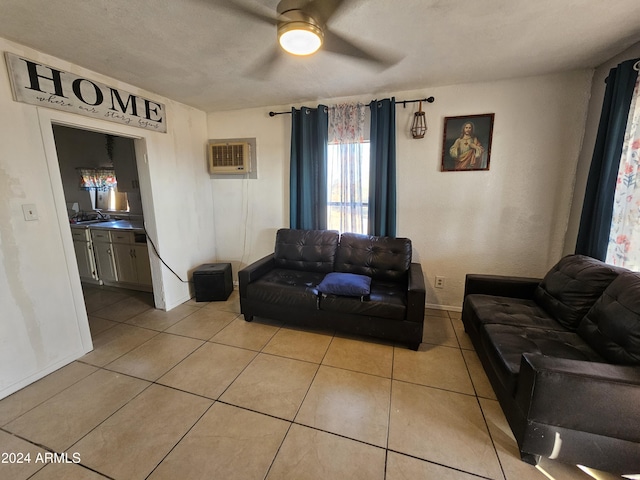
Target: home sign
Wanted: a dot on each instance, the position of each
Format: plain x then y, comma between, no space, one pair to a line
38,84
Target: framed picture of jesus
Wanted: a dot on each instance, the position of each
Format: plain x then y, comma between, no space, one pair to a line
466,144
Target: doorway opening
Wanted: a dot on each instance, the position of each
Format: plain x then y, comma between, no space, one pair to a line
103,200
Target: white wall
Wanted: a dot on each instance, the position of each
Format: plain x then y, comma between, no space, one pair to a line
43,323
590,132
511,219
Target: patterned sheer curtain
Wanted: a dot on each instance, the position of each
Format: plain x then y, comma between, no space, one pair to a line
97,178
347,169
624,239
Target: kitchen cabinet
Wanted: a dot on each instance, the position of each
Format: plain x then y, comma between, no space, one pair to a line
131,256
103,253
84,255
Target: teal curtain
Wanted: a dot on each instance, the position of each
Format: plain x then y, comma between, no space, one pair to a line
308,173
382,169
597,209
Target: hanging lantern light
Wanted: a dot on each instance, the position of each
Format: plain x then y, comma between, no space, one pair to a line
419,125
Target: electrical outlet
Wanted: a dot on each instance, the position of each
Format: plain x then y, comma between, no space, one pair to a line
439,282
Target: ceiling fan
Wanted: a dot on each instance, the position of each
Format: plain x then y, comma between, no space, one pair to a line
302,30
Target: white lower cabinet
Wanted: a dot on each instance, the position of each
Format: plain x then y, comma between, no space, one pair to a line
114,257
131,258
103,252
84,255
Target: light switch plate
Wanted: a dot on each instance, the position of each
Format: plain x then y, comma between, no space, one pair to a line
30,212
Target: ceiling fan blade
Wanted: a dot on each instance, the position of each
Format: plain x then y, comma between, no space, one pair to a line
325,9
249,11
337,44
261,69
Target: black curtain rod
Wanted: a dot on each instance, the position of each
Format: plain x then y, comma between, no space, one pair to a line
403,102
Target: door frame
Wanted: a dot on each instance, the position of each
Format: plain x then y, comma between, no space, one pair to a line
47,118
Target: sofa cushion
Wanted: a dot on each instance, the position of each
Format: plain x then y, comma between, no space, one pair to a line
349,284
572,286
483,309
506,344
308,250
386,300
381,258
287,287
612,326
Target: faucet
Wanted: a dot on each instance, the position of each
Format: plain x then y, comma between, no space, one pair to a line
101,215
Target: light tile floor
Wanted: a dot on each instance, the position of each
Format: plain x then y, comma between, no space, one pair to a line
197,392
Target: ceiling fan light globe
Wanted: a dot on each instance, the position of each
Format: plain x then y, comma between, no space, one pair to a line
300,38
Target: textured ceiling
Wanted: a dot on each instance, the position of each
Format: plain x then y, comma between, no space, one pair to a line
202,54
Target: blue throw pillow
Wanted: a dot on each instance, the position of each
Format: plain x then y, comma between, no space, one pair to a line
348,284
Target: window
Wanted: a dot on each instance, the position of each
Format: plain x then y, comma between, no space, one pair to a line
347,169
112,200
348,187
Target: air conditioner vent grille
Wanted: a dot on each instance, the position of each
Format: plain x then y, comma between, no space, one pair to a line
229,157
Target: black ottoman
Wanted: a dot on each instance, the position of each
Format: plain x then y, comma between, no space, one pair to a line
212,282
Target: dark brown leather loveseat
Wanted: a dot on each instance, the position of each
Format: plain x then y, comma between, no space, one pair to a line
563,356
284,284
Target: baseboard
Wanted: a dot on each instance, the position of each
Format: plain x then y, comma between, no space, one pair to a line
443,307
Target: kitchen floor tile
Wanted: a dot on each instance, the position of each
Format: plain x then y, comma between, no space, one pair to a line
209,370
98,325
227,443
272,385
155,357
360,356
124,309
65,418
232,304
402,467
463,339
435,312
351,404
443,427
155,421
298,344
203,324
251,335
33,395
479,379
314,455
160,320
96,297
434,366
439,331
115,342
66,471
23,463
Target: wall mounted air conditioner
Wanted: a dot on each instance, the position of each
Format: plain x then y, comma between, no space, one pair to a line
229,158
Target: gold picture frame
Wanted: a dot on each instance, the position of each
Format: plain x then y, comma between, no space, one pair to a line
466,144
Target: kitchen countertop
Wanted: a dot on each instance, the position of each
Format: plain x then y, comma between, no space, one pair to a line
131,225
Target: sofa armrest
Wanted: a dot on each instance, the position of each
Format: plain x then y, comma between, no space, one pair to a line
592,397
254,271
416,293
500,285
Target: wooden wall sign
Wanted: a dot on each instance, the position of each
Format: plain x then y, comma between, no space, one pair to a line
38,84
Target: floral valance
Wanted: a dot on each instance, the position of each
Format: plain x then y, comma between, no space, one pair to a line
346,123
97,178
